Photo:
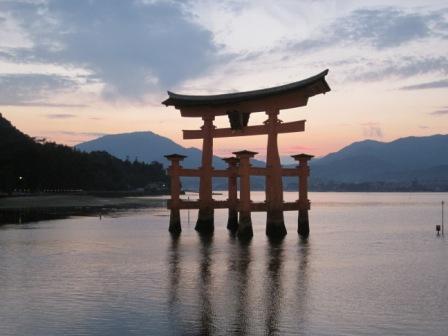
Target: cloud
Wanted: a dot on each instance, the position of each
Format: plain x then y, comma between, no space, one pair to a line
43,104
372,130
379,28
402,68
229,150
11,35
60,116
429,85
297,149
89,134
131,47
31,89
134,48
440,112
374,44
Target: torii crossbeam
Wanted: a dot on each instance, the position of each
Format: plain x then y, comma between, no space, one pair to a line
238,107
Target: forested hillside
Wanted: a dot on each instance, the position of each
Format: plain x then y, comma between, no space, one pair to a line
29,164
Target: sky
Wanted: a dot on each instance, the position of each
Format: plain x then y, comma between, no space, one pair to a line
71,71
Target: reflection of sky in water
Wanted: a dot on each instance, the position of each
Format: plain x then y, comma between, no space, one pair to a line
376,269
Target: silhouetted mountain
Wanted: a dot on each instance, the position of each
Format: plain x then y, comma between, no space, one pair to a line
405,159
406,164
148,147
26,163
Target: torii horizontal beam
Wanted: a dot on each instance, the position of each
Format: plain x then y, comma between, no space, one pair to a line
287,127
254,206
254,171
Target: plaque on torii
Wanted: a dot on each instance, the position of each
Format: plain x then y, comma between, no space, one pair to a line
238,108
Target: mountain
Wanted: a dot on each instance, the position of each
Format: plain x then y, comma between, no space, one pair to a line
385,165
147,147
405,159
29,164
406,164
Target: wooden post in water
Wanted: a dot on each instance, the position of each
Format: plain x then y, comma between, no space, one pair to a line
232,221
174,172
303,227
245,221
275,224
205,222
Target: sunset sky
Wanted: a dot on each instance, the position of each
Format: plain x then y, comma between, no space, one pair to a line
71,71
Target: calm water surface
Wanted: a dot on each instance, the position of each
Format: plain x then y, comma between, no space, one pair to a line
372,266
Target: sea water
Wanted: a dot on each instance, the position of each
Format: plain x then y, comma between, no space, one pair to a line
373,265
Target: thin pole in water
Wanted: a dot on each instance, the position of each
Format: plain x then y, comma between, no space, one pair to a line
443,205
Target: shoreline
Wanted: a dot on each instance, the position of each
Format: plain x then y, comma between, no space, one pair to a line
22,209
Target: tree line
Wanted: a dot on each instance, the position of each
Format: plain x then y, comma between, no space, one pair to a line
38,165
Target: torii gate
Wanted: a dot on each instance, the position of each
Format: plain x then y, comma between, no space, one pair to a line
238,107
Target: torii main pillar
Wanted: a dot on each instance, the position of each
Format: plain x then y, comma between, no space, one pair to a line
275,225
205,222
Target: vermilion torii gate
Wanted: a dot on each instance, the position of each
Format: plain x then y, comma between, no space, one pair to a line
238,107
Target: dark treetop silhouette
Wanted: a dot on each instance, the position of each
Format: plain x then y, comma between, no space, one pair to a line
36,165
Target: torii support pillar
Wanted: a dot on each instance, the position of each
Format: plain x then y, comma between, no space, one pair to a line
303,227
232,221
275,224
245,221
205,222
174,172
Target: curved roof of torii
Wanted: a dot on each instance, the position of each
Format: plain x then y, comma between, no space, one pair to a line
309,86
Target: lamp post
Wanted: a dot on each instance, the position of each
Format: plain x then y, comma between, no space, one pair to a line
19,184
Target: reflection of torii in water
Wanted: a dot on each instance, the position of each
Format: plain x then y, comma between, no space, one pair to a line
238,107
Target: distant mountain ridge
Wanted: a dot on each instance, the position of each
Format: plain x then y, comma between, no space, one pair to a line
148,146
415,151
398,160
403,161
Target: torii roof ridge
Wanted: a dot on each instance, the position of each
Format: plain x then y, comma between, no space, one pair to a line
176,99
